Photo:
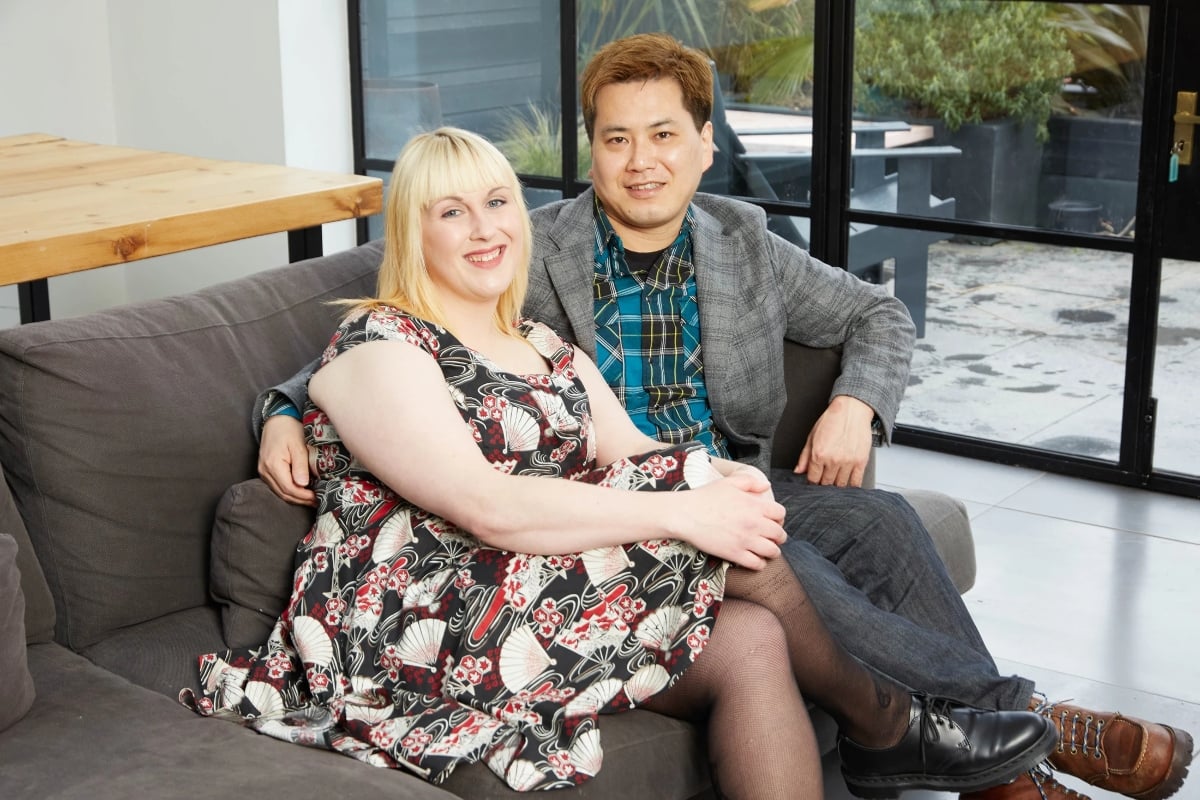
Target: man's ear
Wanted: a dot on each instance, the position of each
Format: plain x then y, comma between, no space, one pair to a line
706,135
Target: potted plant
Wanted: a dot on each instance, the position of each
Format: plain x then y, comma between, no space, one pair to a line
1096,129
985,74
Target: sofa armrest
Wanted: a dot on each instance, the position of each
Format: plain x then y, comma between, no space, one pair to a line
809,374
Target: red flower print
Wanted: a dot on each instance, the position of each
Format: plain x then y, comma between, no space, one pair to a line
697,640
415,742
472,670
547,617
561,762
492,407
704,598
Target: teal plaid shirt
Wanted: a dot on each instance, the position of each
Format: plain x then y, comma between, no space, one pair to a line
648,338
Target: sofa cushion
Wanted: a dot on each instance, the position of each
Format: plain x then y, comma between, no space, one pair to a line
120,431
39,605
253,557
16,687
94,735
950,529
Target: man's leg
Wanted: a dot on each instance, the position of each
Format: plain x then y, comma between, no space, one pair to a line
873,572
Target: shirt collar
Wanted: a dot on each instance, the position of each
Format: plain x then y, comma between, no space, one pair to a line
609,241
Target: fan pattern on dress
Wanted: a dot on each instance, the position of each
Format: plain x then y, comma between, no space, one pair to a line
407,643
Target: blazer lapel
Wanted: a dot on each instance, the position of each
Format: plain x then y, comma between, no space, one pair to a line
714,256
572,271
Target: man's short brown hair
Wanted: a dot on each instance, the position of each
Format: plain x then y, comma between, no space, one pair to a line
646,57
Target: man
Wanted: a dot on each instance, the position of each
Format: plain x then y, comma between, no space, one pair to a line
684,301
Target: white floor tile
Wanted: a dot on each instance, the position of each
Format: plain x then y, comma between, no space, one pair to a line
1106,605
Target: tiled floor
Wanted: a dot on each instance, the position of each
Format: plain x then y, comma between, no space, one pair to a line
1091,590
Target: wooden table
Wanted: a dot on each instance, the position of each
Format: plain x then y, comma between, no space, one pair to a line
68,206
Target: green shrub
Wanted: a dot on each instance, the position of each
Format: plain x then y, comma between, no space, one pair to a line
530,141
962,60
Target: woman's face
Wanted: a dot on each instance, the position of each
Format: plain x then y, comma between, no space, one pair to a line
471,243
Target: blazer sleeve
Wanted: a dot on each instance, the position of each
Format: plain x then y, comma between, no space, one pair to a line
293,390
827,306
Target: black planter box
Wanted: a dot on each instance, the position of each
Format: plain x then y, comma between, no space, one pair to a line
995,178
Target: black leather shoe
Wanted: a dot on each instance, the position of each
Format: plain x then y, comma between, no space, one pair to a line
950,747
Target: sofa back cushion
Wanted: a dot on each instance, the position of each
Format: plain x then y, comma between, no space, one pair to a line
254,542
39,605
16,684
120,431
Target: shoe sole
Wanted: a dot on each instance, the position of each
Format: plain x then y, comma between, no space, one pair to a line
1180,760
889,786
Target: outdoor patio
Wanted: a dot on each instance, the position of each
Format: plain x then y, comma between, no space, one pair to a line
1026,344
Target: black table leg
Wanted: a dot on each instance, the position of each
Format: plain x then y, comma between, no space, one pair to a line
33,297
305,243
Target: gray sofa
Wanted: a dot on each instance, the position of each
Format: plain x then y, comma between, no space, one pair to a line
129,507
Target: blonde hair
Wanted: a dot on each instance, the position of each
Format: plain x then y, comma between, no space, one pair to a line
431,166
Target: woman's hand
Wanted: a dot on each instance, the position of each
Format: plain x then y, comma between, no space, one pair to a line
735,518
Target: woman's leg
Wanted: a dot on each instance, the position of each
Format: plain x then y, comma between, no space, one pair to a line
760,741
893,740
870,709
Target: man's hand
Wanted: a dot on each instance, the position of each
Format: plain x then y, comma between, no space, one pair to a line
839,445
283,460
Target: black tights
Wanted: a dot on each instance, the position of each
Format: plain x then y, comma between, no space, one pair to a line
761,744
869,708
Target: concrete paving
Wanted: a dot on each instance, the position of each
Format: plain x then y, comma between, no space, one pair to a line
1026,343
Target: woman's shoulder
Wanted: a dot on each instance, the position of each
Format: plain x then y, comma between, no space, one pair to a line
387,323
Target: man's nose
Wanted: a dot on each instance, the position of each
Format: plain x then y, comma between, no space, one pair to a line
641,156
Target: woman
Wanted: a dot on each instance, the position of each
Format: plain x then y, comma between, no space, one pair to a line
457,600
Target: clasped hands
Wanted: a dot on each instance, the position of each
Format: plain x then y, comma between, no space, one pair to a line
736,518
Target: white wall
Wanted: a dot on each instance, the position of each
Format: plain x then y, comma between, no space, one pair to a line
241,80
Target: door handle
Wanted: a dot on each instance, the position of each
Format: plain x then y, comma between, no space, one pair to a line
1186,121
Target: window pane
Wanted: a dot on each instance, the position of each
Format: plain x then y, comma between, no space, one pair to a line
491,67
1027,113
1177,369
1023,344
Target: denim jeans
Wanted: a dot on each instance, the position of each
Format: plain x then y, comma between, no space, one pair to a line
871,569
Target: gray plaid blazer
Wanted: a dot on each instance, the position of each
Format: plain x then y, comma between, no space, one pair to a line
754,290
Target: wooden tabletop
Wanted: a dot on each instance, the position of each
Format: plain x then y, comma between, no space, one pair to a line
67,206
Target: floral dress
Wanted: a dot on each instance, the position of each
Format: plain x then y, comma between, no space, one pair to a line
408,643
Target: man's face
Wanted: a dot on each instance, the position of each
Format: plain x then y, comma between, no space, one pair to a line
647,159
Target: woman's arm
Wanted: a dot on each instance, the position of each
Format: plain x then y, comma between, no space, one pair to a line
389,403
617,436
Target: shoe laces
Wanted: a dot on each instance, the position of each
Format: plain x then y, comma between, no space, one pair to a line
1043,778
1080,738
933,711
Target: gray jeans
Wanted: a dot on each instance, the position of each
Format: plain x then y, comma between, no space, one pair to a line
867,562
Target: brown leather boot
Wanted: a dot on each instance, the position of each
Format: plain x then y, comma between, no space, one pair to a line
1121,754
1037,784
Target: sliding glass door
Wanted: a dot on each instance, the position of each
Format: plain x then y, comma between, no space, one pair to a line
1002,166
